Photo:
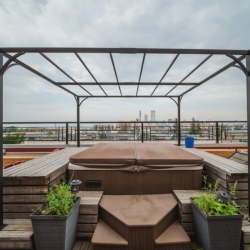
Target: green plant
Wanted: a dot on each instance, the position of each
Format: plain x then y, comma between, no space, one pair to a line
200,248
210,205
16,138
59,201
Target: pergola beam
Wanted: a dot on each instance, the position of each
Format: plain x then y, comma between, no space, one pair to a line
129,96
142,64
169,67
53,63
38,73
123,50
113,64
127,83
85,66
214,74
190,73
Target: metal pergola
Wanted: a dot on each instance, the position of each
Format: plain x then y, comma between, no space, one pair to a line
12,60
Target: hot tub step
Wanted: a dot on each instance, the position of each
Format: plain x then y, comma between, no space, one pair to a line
104,236
173,235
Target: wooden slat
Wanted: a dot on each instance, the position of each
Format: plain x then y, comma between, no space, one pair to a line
225,165
84,234
18,228
25,190
19,208
87,219
43,166
59,180
17,222
16,215
86,227
15,235
24,199
16,245
25,181
78,245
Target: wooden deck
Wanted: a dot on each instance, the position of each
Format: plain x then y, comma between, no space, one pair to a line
26,185
226,172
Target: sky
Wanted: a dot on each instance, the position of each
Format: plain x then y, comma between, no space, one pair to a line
193,24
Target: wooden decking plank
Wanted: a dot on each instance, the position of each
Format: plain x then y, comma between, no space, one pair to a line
87,218
42,163
52,165
25,190
16,245
48,170
17,221
17,215
78,245
45,170
226,165
18,228
24,198
19,208
15,235
229,163
43,160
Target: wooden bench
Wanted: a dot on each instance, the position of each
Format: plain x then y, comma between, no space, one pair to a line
226,172
239,156
26,185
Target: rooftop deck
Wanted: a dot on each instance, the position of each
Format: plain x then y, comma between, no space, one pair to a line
26,185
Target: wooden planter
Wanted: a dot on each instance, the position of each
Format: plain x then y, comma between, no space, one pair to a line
55,232
217,231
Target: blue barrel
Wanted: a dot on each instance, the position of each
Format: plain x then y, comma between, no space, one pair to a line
189,142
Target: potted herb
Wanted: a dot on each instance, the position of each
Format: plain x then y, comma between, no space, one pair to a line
217,218
55,222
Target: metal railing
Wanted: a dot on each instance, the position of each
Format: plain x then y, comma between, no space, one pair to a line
32,132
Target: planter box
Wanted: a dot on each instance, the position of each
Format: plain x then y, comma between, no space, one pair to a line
217,232
55,232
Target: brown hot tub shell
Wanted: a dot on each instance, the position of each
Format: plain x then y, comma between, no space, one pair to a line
130,168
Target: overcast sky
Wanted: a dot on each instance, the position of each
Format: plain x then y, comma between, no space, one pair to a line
194,24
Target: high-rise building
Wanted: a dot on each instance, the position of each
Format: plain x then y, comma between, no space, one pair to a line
153,116
145,118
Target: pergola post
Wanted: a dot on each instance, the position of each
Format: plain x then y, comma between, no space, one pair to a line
179,121
1,142
78,121
248,122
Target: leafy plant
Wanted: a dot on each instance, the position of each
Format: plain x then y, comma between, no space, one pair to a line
60,201
16,138
200,248
210,205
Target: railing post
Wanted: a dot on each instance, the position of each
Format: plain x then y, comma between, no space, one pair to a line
1,145
67,133
217,132
134,131
78,121
179,121
248,122
71,133
142,132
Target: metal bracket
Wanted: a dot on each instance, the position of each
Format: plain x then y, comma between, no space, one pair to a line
82,101
7,65
174,100
240,65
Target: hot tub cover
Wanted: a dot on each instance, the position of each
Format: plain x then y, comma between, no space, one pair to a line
107,155
134,156
164,155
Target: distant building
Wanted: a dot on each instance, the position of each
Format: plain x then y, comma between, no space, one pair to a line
152,116
145,118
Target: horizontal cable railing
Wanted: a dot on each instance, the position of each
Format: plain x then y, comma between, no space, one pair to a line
48,132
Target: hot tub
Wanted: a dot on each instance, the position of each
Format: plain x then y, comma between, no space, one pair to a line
131,168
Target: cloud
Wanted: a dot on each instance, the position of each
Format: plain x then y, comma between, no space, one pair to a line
142,23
